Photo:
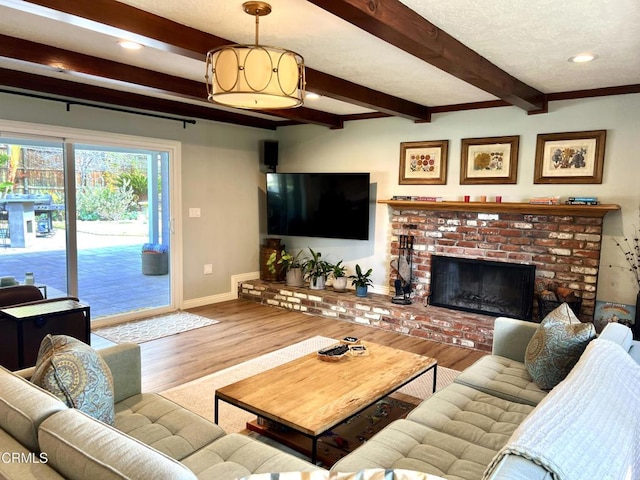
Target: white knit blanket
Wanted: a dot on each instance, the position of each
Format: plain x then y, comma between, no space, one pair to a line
588,427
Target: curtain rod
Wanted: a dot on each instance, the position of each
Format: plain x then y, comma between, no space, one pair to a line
69,103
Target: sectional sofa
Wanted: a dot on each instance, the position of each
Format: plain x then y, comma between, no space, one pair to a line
152,437
481,426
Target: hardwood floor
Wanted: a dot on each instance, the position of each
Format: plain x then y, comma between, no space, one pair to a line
247,330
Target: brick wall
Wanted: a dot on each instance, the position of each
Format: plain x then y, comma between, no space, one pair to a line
564,249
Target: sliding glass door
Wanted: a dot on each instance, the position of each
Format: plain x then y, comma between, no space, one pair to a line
88,220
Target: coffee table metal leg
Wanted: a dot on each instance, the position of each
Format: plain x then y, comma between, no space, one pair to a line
215,409
314,449
435,377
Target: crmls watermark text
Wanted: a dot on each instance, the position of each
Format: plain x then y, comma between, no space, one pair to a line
21,457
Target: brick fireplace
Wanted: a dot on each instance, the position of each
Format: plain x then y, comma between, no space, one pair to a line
563,242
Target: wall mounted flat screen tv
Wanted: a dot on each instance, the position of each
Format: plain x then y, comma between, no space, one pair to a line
329,205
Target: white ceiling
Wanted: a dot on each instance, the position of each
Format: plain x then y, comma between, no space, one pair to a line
530,40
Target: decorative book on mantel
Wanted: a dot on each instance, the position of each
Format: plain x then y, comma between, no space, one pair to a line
544,200
582,201
416,198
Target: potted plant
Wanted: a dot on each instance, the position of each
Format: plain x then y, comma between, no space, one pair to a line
291,265
316,270
339,273
361,281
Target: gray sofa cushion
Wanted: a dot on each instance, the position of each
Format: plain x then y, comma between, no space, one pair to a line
455,434
80,447
165,425
236,456
503,378
23,406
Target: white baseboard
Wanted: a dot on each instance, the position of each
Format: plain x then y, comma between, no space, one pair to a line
222,297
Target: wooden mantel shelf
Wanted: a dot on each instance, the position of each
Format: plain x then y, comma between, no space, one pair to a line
506,207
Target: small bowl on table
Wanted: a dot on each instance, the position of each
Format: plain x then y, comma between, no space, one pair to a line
334,353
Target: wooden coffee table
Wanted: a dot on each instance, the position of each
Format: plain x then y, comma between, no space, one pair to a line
311,396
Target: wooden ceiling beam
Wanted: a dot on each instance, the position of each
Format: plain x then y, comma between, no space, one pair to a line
70,90
65,60
400,26
113,17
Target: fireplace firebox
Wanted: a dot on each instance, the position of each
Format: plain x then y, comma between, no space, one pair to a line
482,286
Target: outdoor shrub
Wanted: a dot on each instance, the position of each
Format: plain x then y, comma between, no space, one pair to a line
104,203
138,182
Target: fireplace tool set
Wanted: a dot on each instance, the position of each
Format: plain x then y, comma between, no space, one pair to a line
403,265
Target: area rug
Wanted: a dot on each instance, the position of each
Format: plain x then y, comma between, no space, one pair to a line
152,328
198,396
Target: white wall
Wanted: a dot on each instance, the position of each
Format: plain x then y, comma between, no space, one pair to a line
374,146
220,175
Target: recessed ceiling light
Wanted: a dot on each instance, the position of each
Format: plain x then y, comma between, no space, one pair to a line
583,57
311,96
129,45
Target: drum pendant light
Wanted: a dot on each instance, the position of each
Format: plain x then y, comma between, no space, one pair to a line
255,76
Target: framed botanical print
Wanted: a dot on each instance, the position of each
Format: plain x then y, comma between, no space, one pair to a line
573,157
489,160
423,163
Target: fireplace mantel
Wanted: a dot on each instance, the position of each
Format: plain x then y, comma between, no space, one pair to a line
506,207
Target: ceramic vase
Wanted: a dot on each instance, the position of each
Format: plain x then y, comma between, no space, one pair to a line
294,277
317,283
636,323
340,284
361,291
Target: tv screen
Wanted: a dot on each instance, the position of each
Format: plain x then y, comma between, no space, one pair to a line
330,205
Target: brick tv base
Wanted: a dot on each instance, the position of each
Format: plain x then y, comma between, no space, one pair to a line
442,325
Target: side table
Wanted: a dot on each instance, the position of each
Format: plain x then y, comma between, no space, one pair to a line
34,322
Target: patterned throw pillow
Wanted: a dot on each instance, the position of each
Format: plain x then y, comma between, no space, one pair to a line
556,347
76,374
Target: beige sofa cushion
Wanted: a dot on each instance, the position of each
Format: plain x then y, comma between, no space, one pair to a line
235,456
23,406
503,378
164,425
30,466
79,447
454,434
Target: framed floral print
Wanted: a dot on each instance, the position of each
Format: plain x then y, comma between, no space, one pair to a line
489,160
423,163
573,157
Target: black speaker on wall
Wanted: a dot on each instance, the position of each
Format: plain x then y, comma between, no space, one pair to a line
270,155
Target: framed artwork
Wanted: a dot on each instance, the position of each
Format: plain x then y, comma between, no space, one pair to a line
607,312
574,157
489,160
423,163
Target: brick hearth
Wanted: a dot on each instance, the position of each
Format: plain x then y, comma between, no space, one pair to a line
434,323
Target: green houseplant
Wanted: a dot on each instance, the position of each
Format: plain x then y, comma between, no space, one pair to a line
291,264
339,274
316,270
362,281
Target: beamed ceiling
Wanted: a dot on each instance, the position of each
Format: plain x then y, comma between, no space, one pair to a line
365,58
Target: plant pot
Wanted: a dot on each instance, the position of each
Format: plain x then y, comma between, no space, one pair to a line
155,263
317,283
340,284
294,277
361,291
